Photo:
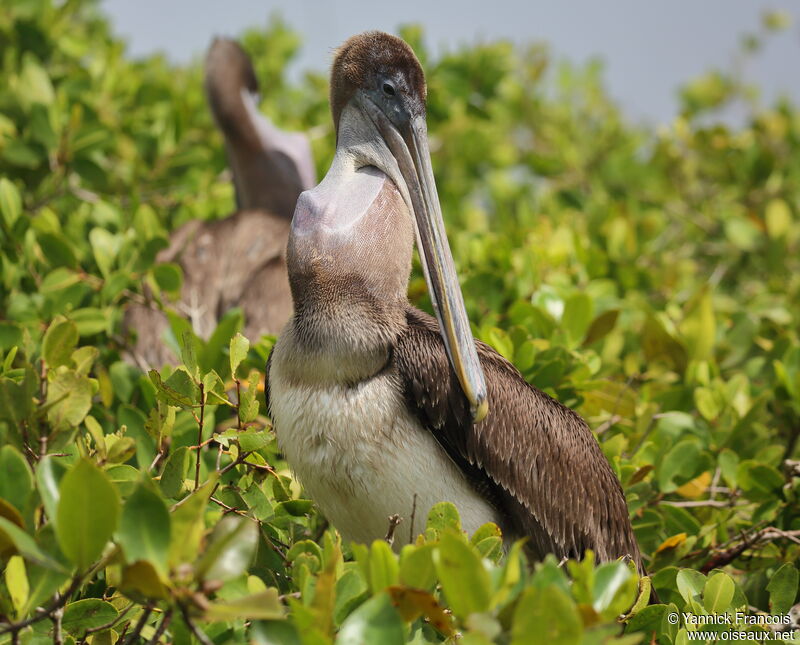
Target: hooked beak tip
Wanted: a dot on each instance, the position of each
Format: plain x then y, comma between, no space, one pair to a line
480,411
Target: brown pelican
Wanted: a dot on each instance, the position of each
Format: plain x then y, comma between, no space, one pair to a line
376,404
235,261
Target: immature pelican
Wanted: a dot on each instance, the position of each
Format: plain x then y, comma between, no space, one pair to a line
238,261
375,403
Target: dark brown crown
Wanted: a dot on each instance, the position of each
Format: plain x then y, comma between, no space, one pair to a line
363,56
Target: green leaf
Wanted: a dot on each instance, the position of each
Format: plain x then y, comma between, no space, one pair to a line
97,434
465,581
124,478
144,529
34,85
231,548
274,632
212,356
658,344
351,590
238,351
248,407
376,621
87,513
417,569
442,516
17,583
601,326
383,567
10,202
698,327
172,477
546,617
690,584
188,525
143,579
682,462
16,479
709,402
577,316
718,593
614,589
121,450
16,399
90,320
250,440
71,397
178,390
260,606
59,341
25,545
502,342
782,589
57,250
87,614
189,353
49,472
778,218
215,389
168,277
105,247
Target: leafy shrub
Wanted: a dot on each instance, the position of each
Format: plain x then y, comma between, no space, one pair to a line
650,280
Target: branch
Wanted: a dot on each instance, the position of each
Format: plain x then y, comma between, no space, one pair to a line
763,536
196,632
700,502
109,624
58,602
394,520
139,626
165,621
413,515
58,635
199,435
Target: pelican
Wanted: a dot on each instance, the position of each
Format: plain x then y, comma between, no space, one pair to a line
235,261
377,405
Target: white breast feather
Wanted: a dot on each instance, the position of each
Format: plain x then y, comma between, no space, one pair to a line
361,457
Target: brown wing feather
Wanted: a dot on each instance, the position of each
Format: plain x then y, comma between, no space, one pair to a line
538,458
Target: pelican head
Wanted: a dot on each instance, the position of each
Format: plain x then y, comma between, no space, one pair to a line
378,96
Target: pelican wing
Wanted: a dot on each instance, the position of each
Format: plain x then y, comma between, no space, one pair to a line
539,460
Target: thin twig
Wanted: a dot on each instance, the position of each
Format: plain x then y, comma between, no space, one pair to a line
394,520
321,528
58,601
413,517
139,626
239,460
615,418
696,503
199,436
58,636
267,468
769,534
157,458
110,623
162,627
238,404
196,632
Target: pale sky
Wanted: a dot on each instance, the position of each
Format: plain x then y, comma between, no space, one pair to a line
649,46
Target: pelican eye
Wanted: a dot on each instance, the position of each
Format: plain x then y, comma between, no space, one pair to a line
388,89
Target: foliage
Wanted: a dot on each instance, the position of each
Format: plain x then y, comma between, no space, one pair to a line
650,280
